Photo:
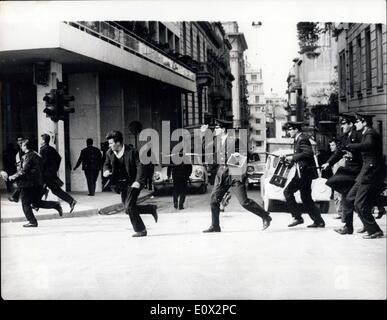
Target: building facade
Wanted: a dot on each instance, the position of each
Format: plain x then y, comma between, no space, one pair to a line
276,115
362,69
310,82
239,90
118,72
257,104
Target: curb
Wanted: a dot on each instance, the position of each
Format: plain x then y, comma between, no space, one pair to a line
109,210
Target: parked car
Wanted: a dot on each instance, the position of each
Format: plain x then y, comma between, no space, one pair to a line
198,179
270,193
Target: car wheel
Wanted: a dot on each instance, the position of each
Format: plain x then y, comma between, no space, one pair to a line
203,189
324,207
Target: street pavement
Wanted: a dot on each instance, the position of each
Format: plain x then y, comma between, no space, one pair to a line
95,257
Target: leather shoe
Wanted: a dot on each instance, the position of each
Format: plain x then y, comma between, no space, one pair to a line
154,213
175,205
30,225
181,207
362,230
375,235
59,209
344,230
72,205
140,234
296,222
266,222
337,217
381,213
212,229
317,225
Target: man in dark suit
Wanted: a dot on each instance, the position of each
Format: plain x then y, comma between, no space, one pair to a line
344,178
305,172
180,175
224,181
126,173
51,162
91,160
365,190
29,179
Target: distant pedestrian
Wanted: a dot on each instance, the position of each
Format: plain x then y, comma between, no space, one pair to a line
51,162
149,171
180,175
126,174
91,160
29,179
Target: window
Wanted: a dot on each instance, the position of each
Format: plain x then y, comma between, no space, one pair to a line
184,38
191,39
253,77
258,143
379,56
257,99
198,47
257,109
358,63
351,70
368,58
255,88
193,108
342,74
257,120
258,132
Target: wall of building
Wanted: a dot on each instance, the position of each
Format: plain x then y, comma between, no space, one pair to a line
84,123
374,99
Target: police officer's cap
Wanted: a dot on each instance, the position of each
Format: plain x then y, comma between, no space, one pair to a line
364,117
347,117
294,125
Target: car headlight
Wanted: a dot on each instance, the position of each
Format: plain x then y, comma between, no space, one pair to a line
250,169
198,173
157,176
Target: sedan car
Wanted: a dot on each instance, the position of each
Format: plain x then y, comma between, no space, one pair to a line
270,193
255,170
198,179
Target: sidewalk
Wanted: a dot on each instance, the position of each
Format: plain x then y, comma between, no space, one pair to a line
101,203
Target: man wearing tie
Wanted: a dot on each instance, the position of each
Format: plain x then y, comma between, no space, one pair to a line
302,180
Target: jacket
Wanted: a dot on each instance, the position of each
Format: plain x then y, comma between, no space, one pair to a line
180,172
51,162
90,158
29,173
303,155
133,166
372,170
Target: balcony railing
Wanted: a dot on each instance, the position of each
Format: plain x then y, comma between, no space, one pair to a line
122,39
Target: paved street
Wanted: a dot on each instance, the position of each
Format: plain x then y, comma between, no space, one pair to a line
96,258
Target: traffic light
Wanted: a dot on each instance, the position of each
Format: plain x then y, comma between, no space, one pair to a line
63,104
51,109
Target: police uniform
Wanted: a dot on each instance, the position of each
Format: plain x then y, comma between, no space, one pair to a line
304,158
371,175
344,178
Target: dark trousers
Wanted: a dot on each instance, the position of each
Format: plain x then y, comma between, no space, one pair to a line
179,190
363,198
16,194
304,185
91,177
223,182
129,198
32,196
57,190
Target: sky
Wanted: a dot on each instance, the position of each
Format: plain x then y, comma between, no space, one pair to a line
271,47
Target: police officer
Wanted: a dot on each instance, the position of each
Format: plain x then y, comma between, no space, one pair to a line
302,180
364,191
180,175
224,181
344,178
